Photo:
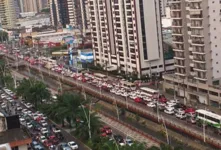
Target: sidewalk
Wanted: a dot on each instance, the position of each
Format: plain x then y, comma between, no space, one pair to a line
128,131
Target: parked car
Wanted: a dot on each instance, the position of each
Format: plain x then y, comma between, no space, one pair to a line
119,139
128,141
73,145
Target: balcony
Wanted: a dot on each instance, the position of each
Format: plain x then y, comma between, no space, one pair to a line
179,58
180,74
191,56
196,15
178,50
199,69
192,73
200,52
179,65
176,24
201,78
199,59
191,64
190,48
197,43
174,1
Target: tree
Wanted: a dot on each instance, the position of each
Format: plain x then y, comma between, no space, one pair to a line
89,124
67,107
5,74
33,91
3,36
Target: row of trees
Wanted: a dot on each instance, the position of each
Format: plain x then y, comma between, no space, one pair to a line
71,109
5,75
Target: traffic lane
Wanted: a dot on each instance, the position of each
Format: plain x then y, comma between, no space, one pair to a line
166,119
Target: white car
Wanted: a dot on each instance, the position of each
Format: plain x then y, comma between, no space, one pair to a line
44,130
29,125
151,104
3,96
43,123
56,130
118,93
28,105
161,104
42,139
169,111
180,115
35,116
169,107
22,121
73,145
147,99
3,105
171,103
124,94
19,108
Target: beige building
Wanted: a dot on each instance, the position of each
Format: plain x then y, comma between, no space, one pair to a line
196,38
7,13
127,36
33,5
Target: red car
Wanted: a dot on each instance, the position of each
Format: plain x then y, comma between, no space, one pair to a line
106,129
47,143
163,100
138,100
53,139
190,110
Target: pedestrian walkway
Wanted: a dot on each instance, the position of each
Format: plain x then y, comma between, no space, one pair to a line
127,131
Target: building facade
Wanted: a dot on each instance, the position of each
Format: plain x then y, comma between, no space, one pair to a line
70,12
32,5
196,39
7,13
127,36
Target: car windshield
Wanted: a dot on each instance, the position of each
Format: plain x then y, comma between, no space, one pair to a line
73,144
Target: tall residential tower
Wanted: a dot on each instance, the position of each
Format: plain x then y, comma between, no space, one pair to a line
127,36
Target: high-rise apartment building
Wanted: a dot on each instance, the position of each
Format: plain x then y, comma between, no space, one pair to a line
70,12
7,13
196,37
127,36
32,5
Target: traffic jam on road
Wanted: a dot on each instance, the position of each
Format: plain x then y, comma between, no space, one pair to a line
129,91
45,135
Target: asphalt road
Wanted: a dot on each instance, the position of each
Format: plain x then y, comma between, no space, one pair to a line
167,118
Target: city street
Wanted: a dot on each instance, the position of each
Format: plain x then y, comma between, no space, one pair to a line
168,119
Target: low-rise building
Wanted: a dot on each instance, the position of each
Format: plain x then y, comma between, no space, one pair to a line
11,135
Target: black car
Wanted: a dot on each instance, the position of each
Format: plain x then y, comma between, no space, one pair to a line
59,136
118,138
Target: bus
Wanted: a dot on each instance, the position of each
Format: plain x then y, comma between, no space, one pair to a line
210,118
149,91
100,76
128,85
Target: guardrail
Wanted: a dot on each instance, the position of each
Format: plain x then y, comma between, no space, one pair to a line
131,107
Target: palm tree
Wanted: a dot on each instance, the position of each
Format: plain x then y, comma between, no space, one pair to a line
67,108
89,124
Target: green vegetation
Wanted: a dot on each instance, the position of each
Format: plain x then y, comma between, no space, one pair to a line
33,91
165,147
3,36
5,75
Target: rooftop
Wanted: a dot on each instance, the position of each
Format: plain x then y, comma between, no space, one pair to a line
15,137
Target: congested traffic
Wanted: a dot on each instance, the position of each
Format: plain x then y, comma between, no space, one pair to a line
130,91
44,134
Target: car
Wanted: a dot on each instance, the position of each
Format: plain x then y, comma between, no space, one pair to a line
29,125
180,115
29,105
169,107
171,103
119,139
18,108
179,110
59,136
43,123
107,130
3,105
35,116
38,147
128,141
147,99
47,143
34,143
3,96
53,139
44,131
64,146
190,110
191,119
73,145
169,111
137,100
22,121
42,139
151,104
56,130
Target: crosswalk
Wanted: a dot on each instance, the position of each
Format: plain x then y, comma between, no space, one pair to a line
128,131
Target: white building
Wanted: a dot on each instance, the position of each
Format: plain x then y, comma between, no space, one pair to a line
127,35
